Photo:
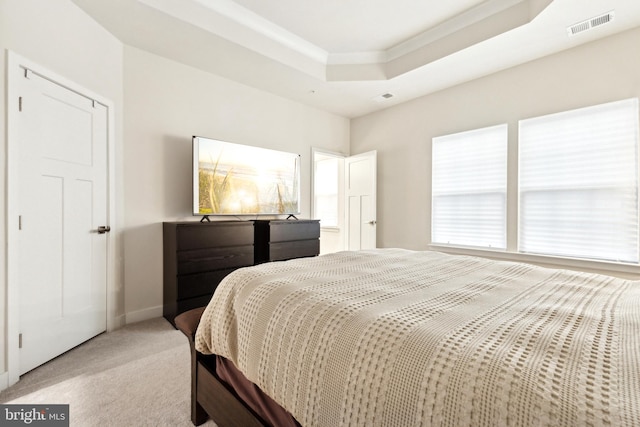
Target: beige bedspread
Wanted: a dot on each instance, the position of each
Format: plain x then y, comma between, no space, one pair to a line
393,337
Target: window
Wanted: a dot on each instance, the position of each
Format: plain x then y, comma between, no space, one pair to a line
326,190
469,183
578,183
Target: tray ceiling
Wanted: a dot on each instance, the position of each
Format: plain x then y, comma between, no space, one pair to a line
348,56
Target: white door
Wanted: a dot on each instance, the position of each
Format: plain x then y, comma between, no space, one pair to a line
61,152
360,192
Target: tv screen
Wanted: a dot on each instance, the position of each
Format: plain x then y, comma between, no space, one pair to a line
235,179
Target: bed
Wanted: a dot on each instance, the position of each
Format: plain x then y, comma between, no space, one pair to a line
392,337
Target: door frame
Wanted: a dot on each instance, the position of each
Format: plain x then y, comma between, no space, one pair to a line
347,171
342,230
16,66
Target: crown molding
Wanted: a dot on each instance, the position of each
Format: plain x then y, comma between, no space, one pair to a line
453,25
239,25
256,23
231,21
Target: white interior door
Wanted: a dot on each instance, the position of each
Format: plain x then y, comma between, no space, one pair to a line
360,191
61,153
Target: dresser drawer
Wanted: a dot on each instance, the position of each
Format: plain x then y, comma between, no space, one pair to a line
223,234
284,231
202,260
288,250
193,285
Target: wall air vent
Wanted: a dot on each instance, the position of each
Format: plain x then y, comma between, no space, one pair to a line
590,23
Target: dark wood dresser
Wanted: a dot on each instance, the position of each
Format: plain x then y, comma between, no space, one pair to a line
198,255
279,240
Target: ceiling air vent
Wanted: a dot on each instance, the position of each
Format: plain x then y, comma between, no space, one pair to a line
590,23
383,97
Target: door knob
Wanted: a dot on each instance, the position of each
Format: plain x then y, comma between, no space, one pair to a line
104,229
372,222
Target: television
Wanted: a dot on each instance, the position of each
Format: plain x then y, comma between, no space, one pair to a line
235,179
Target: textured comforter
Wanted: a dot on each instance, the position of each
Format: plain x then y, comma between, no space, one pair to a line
392,337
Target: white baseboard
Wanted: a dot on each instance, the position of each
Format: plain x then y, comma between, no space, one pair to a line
4,381
146,314
117,323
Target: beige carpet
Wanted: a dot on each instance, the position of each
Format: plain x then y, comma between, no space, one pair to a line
138,375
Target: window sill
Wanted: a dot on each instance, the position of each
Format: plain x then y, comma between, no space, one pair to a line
627,271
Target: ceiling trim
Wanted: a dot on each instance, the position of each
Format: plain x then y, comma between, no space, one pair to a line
447,40
352,90
236,23
453,25
240,25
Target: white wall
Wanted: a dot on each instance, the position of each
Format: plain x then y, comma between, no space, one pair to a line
165,104
598,72
60,37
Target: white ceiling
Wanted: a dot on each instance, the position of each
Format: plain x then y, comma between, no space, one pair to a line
342,55
340,26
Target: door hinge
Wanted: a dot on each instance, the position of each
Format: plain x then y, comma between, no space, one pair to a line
20,103
19,222
20,341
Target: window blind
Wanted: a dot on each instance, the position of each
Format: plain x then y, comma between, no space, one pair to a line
578,183
469,182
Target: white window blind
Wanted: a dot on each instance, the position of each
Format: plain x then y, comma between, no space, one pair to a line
469,184
578,183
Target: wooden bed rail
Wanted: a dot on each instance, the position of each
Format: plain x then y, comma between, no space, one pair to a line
187,322
210,397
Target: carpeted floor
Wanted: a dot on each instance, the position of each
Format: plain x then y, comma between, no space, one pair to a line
138,375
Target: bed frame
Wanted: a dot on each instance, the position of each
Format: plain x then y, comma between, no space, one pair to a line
210,396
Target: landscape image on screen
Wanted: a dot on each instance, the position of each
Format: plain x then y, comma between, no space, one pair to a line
236,179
